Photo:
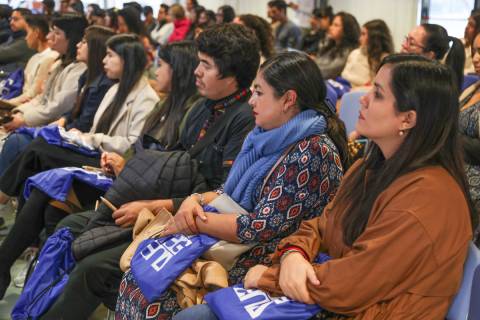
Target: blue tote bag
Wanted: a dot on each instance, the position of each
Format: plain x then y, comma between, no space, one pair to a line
238,303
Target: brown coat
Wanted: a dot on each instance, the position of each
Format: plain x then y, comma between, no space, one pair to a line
408,262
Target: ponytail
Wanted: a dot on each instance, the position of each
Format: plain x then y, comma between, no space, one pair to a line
455,58
337,132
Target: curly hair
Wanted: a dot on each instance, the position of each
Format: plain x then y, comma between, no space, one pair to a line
351,34
263,31
234,49
379,42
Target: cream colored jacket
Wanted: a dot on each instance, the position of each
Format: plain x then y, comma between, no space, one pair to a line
128,124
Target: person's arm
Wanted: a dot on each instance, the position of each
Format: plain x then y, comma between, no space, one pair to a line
319,179
295,38
471,148
12,52
386,260
331,67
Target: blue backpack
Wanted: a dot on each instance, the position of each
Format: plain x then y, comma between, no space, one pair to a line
49,277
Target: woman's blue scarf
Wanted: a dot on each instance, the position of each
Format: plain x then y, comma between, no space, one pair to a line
262,149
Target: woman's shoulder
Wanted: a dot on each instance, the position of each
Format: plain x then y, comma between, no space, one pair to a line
143,91
426,193
319,146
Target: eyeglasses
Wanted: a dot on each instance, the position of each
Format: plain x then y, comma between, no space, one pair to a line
411,43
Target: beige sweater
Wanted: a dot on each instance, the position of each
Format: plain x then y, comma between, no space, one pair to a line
57,99
128,125
357,69
36,73
408,262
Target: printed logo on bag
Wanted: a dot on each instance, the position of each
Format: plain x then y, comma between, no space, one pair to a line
165,251
259,300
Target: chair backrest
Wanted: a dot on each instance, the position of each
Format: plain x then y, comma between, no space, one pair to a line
461,306
349,107
474,312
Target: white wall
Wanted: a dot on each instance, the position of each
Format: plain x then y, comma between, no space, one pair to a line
400,16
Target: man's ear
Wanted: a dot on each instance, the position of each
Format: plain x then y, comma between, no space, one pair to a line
430,55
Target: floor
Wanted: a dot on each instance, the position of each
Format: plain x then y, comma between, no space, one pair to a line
13,292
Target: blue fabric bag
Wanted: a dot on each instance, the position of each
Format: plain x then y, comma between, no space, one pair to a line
238,303
49,277
52,135
340,85
12,86
57,182
158,262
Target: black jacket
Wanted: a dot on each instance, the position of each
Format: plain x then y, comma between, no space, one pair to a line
215,159
149,175
94,94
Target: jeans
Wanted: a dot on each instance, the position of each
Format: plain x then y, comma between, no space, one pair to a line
13,146
198,312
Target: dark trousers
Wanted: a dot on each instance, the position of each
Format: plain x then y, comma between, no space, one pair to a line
94,280
37,157
35,215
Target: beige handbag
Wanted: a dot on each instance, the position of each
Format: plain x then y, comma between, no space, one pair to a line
224,252
147,226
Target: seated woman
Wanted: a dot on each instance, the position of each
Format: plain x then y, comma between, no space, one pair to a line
36,70
362,63
288,169
470,129
92,87
117,124
342,38
62,84
432,41
399,227
176,78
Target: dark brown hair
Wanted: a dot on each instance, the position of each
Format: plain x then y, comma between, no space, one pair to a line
96,37
379,42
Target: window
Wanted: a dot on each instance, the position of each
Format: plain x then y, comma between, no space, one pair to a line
451,14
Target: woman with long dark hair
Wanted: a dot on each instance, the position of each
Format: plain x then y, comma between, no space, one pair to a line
433,41
117,124
292,122
93,84
176,79
342,37
470,129
471,30
399,227
61,86
362,63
